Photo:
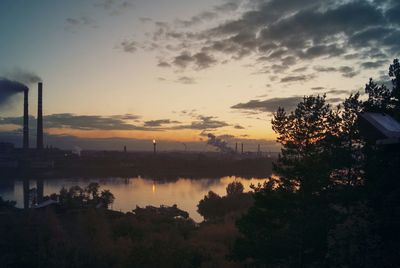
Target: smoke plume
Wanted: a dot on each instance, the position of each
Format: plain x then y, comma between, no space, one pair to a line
8,88
23,76
220,144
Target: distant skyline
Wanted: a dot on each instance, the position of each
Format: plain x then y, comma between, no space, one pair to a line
176,70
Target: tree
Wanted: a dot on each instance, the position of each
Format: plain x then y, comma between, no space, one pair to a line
302,134
234,188
288,224
394,74
337,198
93,190
378,98
209,207
107,198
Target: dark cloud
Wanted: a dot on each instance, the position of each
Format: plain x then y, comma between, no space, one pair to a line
130,117
317,88
296,78
322,50
186,80
82,122
282,34
237,126
203,60
301,69
269,105
129,46
192,113
145,19
228,6
204,123
163,64
338,92
114,7
73,24
183,60
89,122
346,71
207,16
393,14
159,122
203,16
200,60
373,64
118,122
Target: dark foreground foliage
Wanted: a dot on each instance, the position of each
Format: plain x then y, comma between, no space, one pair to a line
337,201
77,234
214,207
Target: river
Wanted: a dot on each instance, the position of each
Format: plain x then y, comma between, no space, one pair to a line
137,191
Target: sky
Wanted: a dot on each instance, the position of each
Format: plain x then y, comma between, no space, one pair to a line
176,70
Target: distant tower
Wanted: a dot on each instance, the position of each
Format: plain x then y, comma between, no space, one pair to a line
236,148
154,147
26,121
242,149
125,149
39,137
259,150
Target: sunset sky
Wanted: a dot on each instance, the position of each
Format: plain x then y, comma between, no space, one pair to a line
175,70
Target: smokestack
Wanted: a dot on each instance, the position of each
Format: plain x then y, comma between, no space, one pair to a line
242,149
236,148
39,137
25,141
154,147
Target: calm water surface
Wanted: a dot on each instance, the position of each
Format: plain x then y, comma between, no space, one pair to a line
132,192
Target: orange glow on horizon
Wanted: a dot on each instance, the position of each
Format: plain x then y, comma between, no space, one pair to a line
170,135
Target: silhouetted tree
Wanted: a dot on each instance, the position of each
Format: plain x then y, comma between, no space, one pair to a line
289,221
6,204
214,207
107,198
209,207
234,188
77,197
302,134
394,74
336,203
93,190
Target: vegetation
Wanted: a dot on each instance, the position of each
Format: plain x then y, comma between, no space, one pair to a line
81,236
336,203
90,196
214,207
6,205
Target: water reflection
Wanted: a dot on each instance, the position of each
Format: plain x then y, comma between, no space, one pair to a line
131,192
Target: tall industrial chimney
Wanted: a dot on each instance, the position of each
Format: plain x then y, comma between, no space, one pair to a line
25,141
39,137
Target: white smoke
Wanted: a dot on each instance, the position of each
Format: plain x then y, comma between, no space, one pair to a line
219,143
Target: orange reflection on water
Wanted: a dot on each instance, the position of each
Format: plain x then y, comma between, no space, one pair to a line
132,192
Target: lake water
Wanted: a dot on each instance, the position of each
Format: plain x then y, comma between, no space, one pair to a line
138,191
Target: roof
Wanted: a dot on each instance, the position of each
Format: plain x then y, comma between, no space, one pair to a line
384,124
46,203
